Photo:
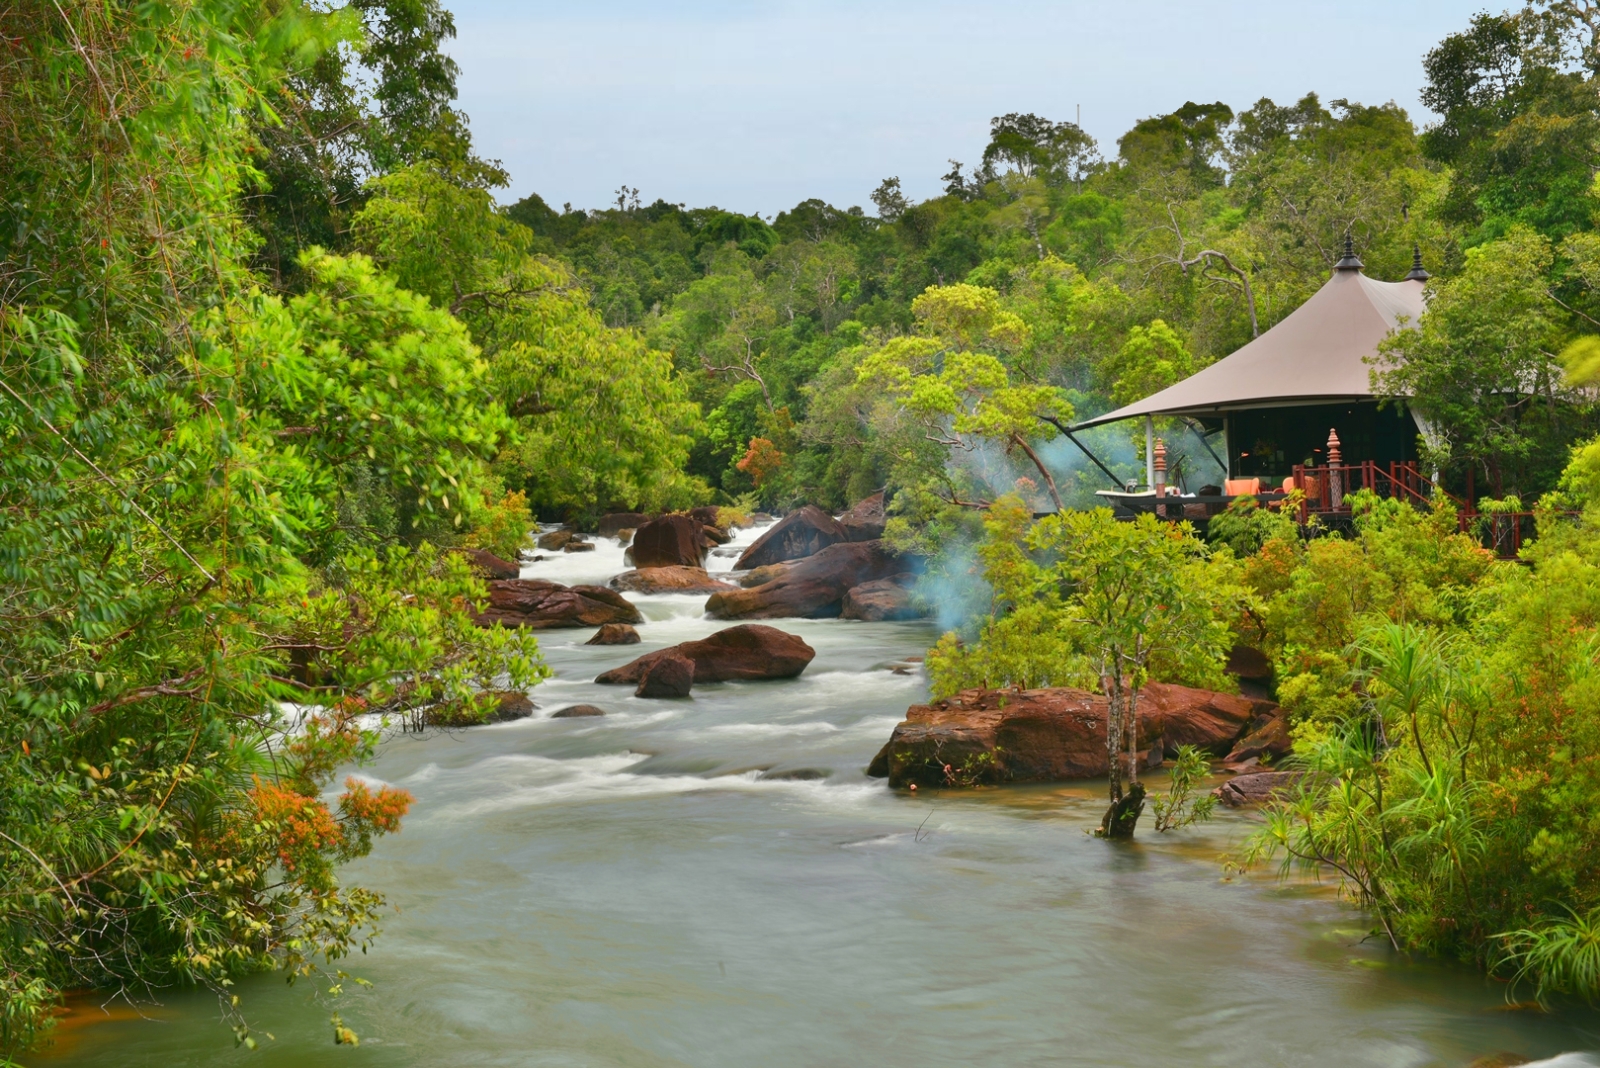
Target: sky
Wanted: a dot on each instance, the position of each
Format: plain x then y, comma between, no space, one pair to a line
753,107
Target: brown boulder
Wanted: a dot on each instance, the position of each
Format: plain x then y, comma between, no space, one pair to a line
669,541
1268,736
749,651
509,705
555,539
762,575
715,535
575,711
576,546
668,580
614,634
489,565
881,599
1046,735
543,605
865,519
671,675
812,588
1253,789
610,526
808,531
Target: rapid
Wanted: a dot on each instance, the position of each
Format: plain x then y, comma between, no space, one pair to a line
715,882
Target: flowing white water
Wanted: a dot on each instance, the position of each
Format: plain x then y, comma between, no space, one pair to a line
715,882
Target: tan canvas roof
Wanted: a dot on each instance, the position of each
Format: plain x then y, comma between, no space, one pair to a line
1318,353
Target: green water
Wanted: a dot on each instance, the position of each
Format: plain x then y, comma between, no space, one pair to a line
715,882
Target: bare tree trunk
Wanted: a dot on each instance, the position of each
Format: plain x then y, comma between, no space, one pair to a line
1113,688
1131,733
1049,482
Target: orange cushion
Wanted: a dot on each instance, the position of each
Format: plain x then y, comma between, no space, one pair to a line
1240,487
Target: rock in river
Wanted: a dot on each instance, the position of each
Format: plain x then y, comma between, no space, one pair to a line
812,588
865,519
668,675
610,526
1046,735
575,711
749,651
808,531
489,565
1253,789
614,634
668,580
881,599
669,541
544,605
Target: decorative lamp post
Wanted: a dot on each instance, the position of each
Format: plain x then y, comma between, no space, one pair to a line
1159,465
1335,472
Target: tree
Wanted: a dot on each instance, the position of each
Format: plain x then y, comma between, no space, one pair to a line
1058,152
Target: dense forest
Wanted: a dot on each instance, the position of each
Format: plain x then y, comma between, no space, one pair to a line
271,346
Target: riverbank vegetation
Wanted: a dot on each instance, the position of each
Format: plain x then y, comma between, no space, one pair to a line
270,347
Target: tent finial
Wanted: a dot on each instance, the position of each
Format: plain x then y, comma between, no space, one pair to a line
1418,273
1350,262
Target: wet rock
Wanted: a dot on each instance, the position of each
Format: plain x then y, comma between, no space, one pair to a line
614,634
555,539
669,541
812,588
668,580
509,705
865,519
576,546
1046,735
808,531
575,711
715,535
795,775
706,515
611,526
1246,662
881,599
1268,736
488,565
625,537
762,575
758,518
543,605
749,651
1252,789
671,675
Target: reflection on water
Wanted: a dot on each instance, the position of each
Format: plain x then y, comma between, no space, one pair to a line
714,882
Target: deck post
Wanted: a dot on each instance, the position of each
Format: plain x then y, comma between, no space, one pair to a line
1149,451
1335,472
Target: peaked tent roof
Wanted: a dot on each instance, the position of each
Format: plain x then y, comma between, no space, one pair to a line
1318,353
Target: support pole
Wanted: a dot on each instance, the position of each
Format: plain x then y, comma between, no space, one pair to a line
1149,451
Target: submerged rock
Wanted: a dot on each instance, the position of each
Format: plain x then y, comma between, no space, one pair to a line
509,705
669,674
1046,735
751,651
575,711
670,541
865,519
668,580
490,566
812,588
576,546
555,539
542,605
806,532
881,599
614,634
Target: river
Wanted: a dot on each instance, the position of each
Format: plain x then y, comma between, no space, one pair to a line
714,882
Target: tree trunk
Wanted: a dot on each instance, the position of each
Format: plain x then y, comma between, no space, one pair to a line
1131,733
1123,814
1114,728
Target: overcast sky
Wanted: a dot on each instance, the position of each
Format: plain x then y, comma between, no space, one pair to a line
754,107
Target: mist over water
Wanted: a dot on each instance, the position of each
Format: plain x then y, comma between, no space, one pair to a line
715,882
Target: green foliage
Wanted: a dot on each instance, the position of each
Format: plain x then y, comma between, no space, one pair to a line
1180,808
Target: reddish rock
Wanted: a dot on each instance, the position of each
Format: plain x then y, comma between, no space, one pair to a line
715,535
812,588
881,599
1268,736
669,580
614,634
808,531
612,525
509,705
671,675
1046,735
865,519
670,541
555,539
750,651
762,575
1247,662
576,711
706,515
576,546
489,565
1253,789
543,605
